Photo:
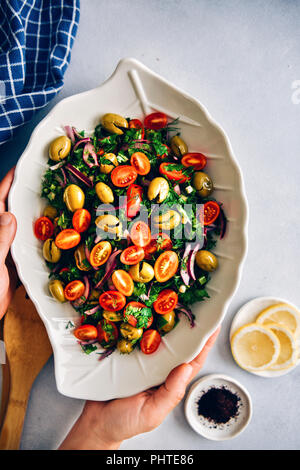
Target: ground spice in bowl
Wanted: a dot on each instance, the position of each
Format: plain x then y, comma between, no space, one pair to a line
218,405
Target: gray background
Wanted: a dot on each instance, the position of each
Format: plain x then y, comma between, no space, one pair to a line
240,59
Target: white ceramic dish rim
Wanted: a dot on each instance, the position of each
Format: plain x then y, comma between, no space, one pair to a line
237,273
209,380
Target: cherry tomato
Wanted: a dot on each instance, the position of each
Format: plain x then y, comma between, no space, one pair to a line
74,290
112,300
156,121
81,220
170,170
86,332
123,282
166,266
132,319
140,234
165,153
166,301
136,124
159,241
107,333
68,238
196,160
211,212
134,198
100,253
150,341
43,228
132,255
141,163
123,175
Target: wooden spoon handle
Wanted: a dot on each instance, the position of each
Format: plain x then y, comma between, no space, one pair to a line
13,423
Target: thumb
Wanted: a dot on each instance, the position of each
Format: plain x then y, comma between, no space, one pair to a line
8,226
168,395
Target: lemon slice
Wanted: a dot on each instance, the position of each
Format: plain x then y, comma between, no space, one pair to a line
282,314
255,347
288,347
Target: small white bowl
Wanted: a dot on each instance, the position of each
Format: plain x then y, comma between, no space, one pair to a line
248,314
207,428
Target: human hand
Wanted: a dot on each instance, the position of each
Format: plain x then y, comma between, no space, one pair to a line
104,425
8,226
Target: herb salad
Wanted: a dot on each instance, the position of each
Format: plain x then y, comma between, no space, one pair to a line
128,231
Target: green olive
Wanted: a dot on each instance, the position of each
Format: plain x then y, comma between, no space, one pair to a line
109,223
112,123
74,197
142,272
112,316
203,183
178,146
206,260
167,321
51,252
50,212
124,346
80,259
104,193
105,167
60,148
168,220
56,289
158,188
130,332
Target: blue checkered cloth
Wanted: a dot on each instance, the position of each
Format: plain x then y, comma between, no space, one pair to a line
36,38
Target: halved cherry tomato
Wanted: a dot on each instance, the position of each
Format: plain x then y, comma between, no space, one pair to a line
132,319
150,341
132,255
86,332
171,171
164,153
81,220
141,163
140,234
196,160
43,228
156,121
68,238
123,282
100,253
159,241
123,175
166,266
107,332
136,124
134,198
211,212
166,301
74,290
112,300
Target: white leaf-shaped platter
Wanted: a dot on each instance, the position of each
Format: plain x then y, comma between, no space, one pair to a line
133,90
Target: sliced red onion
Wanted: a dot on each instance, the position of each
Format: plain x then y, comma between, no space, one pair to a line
110,284
186,311
79,175
81,141
87,253
107,353
70,133
184,269
89,151
145,182
110,266
76,134
87,343
177,189
93,310
64,176
97,239
191,261
223,222
55,167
